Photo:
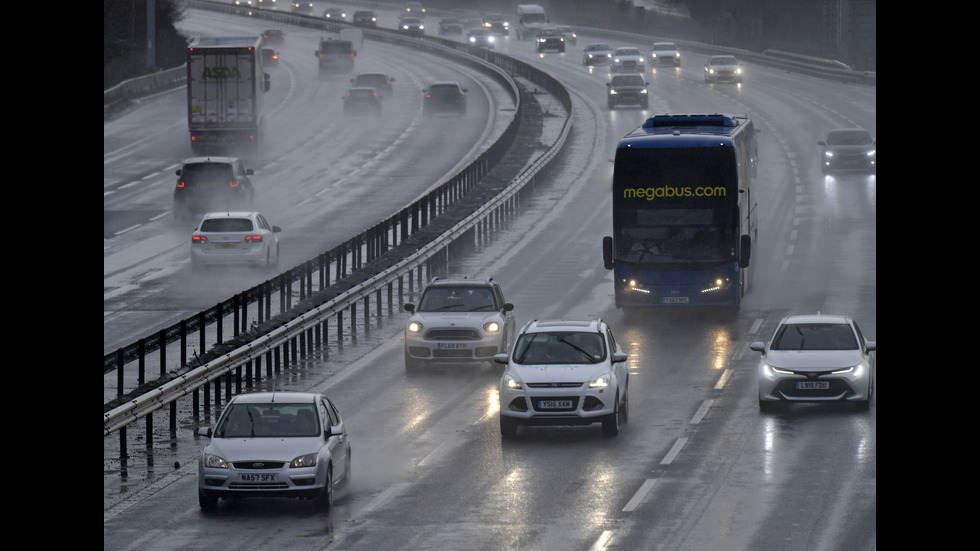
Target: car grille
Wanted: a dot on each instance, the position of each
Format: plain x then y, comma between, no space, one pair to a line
628,65
452,335
554,385
628,97
258,486
259,465
462,354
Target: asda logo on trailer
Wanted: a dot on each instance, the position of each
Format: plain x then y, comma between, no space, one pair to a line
221,72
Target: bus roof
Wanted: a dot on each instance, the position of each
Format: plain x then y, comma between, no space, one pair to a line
685,130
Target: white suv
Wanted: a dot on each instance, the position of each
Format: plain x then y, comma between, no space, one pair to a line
458,321
564,372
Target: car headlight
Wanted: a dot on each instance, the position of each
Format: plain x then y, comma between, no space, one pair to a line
214,461
602,381
491,327
612,92
512,383
871,153
643,91
414,327
828,153
854,371
770,371
308,460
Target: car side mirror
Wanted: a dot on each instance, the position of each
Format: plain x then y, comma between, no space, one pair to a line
618,357
204,431
409,307
508,307
276,229
500,358
745,251
758,346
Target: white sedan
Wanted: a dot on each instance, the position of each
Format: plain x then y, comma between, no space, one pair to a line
816,358
627,60
235,238
564,372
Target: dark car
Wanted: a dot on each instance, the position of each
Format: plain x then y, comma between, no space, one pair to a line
550,39
849,149
269,57
412,26
450,25
478,39
207,184
497,24
627,89
273,36
364,18
381,82
443,97
362,101
302,6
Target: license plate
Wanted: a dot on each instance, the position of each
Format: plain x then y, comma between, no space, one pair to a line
813,385
258,477
226,245
451,345
675,300
554,404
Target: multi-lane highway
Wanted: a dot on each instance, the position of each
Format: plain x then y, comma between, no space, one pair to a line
697,466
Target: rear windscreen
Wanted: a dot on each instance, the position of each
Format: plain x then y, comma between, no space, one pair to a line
206,172
226,225
335,47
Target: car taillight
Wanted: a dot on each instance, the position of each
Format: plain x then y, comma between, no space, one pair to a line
232,184
199,239
180,183
253,238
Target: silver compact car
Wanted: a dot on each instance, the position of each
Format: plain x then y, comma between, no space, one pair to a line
665,53
564,372
596,54
627,59
275,444
723,67
458,321
816,358
235,238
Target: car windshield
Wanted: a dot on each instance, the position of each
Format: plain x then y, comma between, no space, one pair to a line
814,336
457,299
628,80
560,347
336,47
206,172
370,80
444,90
627,51
226,225
268,421
723,61
849,137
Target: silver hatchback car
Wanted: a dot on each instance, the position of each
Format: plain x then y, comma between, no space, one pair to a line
285,444
816,358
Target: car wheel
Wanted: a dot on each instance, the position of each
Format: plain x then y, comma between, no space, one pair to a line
508,427
624,408
207,502
325,499
610,424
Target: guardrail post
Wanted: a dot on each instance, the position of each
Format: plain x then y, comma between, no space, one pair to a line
340,330
149,438
163,351
119,372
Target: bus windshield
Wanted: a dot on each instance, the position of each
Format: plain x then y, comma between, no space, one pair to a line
675,206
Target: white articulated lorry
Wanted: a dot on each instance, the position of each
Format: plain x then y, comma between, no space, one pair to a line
225,87
531,18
